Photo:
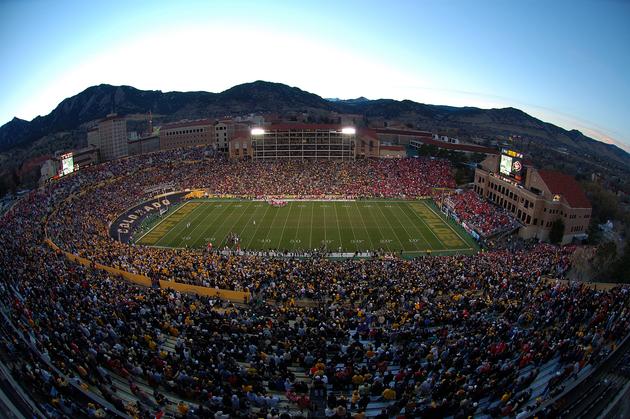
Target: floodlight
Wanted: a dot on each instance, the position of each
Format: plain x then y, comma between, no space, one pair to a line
258,131
348,130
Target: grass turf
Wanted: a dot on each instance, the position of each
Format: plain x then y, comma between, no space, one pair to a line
413,227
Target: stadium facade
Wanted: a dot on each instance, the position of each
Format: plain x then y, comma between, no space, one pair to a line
305,142
537,199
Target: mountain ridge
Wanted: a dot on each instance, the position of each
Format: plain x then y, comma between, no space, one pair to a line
261,96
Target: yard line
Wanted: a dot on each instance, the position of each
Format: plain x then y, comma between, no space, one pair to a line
447,223
161,221
179,226
240,233
297,230
390,225
235,223
257,227
195,225
325,228
419,230
337,219
310,235
377,226
223,218
207,226
355,242
429,228
290,205
405,228
275,215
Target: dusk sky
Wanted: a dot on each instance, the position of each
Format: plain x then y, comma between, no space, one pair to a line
566,62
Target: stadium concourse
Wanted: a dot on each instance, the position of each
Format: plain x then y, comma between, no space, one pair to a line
492,334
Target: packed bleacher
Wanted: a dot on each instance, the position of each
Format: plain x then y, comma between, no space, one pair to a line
492,334
484,217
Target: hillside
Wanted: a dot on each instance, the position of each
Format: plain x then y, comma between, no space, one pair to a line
97,101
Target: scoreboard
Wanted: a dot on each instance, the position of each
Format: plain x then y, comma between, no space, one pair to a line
67,164
511,164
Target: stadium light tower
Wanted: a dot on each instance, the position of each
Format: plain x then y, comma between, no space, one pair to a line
348,130
258,131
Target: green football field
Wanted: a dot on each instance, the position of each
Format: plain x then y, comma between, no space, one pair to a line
414,227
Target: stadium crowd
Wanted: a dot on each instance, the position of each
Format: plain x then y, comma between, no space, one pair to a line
435,336
485,218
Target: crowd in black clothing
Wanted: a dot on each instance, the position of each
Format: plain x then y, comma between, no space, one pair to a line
432,336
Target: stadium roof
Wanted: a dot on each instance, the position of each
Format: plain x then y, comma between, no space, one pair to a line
565,185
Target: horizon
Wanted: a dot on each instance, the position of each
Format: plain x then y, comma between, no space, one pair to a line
491,55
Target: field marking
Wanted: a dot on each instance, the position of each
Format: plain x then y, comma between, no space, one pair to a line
290,206
310,236
373,213
192,222
240,233
238,219
297,229
378,226
258,227
217,229
208,226
429,228
181,222
161,221
443,222
325,228
390,226
448,224
355,241
411,236
415,226
179,230
270,225
339,228
210,213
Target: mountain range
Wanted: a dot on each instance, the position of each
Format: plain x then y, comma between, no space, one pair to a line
468,122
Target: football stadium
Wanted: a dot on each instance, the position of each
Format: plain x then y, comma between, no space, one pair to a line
181,283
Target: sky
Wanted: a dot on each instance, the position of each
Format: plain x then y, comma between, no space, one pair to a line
565,62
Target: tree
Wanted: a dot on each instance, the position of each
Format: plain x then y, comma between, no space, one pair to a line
557,231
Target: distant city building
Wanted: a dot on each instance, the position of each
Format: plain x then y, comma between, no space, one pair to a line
187,134
143,144
445,138
537,198
222,136
112,137
93,139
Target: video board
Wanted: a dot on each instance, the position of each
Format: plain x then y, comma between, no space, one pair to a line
511,164
67,164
